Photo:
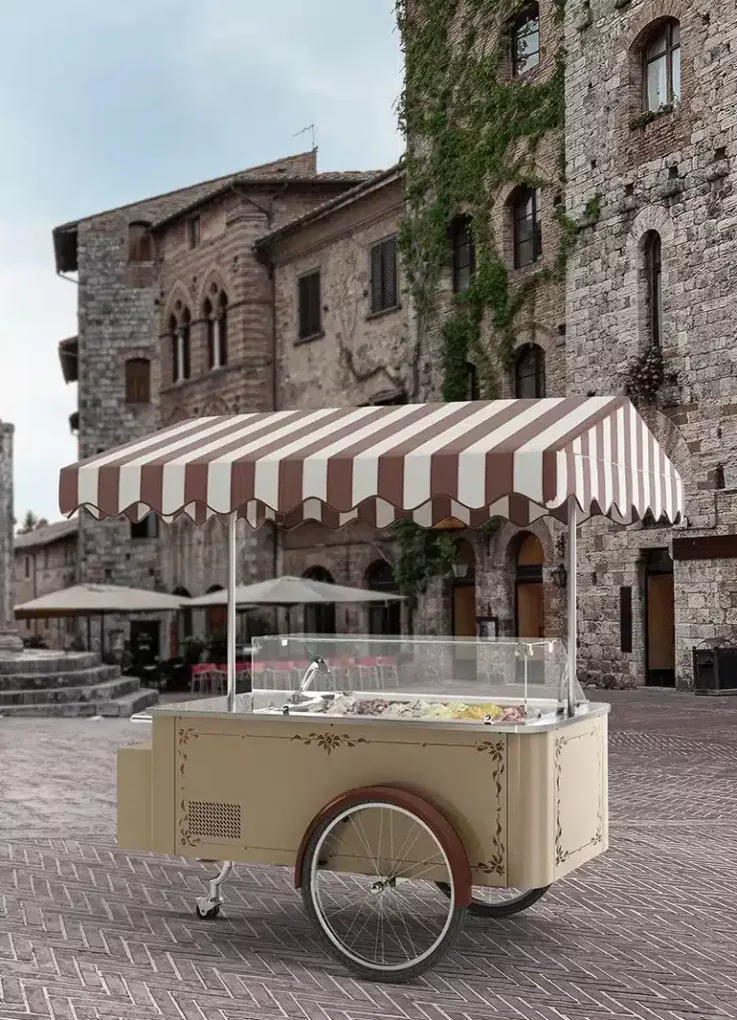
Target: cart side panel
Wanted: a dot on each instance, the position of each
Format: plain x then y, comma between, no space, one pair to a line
248,789
530,817
580,794
163,784
134,797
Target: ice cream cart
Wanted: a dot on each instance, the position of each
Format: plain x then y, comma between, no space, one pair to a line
398,795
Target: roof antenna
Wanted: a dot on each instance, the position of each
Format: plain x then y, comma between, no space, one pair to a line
311,129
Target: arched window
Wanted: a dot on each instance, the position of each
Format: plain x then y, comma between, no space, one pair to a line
528,233
137,381
662,65
463,254
215,313
140,243
653,250
529,372
386,618
179,329
526,40
320,616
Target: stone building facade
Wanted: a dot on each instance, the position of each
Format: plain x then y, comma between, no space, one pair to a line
152,278
623,212
45,562
650,125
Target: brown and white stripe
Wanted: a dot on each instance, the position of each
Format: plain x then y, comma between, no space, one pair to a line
518,459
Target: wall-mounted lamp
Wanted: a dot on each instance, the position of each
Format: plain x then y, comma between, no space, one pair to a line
460,570
559,576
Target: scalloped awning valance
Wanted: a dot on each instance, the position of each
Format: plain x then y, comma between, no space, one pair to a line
516,459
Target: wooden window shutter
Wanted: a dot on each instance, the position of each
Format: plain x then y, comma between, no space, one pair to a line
376,278
309,305
389,262
138,381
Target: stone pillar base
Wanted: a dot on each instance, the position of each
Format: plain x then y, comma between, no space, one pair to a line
10,641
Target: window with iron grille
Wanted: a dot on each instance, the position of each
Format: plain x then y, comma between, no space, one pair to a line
528,234
137,381
464,258
310,318
384,275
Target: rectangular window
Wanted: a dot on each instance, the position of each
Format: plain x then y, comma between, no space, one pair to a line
384,275
463,257
193,232
310,319
147,528
625,619
137,381
528,236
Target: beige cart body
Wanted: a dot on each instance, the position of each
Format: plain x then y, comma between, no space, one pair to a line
529,803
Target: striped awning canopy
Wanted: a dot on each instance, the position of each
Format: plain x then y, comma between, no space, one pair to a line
516,459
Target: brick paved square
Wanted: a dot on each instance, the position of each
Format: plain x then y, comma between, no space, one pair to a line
647,931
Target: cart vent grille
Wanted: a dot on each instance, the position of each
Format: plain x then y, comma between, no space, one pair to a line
221,821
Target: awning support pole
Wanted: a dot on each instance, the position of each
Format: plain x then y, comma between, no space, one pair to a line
572,621
232,579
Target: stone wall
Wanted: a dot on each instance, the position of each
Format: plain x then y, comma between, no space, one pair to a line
46,562
675,175
8,635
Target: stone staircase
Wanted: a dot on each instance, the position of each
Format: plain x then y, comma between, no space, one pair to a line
72,684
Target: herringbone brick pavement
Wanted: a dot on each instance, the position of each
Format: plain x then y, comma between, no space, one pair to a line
647,931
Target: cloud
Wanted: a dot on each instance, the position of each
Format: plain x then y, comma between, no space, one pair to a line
102,104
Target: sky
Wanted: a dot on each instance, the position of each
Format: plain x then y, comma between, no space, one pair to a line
106,103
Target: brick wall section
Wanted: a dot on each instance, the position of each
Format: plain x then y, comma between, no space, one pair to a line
668,176
359,358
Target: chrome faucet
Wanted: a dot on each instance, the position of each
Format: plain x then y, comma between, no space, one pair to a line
317,665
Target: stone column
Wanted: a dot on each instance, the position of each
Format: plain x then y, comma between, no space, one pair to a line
9,637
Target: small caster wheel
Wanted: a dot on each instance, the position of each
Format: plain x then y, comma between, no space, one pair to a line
209,914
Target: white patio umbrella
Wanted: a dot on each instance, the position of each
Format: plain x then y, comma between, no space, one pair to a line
291,591
99,600
94,599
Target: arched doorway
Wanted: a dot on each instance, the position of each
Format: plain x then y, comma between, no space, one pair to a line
182,627
528,589
384,619
217,616
319,616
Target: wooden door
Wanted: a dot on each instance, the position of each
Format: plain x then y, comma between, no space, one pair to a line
530,617
661,630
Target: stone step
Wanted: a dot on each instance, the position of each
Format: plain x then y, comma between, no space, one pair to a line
52,680
41,661
128,704
94,693
121,707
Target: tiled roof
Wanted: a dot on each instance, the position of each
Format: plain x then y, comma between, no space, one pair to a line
376,179
47,534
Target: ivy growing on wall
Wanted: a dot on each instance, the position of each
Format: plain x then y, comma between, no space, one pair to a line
471,130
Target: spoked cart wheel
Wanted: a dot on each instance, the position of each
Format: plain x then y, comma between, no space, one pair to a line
368,872
499,903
